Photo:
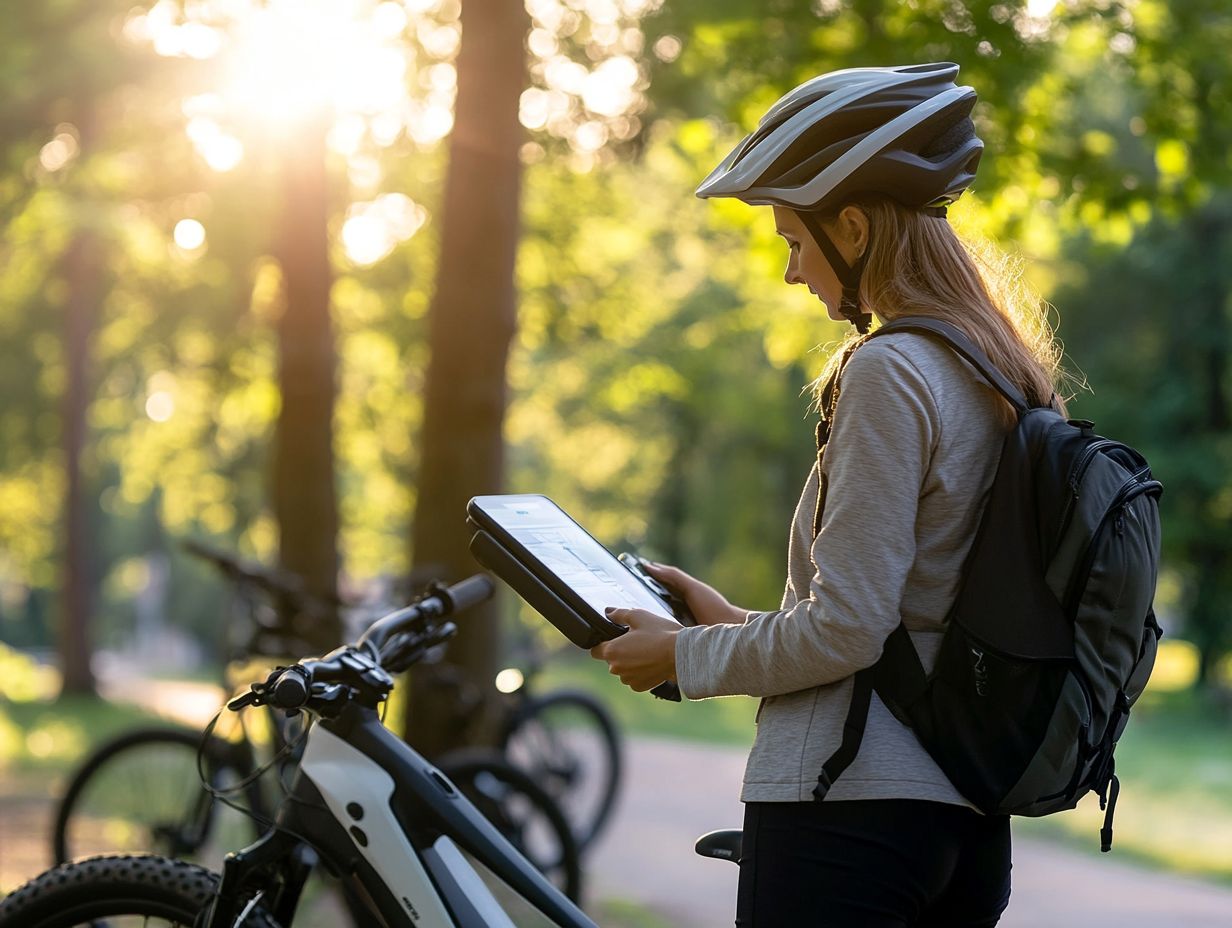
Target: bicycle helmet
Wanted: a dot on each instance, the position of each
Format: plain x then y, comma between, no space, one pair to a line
903,132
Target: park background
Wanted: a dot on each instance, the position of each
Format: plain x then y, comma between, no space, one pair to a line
297,278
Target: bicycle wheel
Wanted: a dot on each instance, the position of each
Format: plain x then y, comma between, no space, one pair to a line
521,811
569,745
142,792
117,892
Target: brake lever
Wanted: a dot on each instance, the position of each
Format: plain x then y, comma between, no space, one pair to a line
411,648
443,633
254,697
257,695
329,699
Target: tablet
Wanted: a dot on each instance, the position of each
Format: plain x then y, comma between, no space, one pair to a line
557,566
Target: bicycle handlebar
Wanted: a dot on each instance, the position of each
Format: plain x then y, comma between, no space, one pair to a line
357,671
442,601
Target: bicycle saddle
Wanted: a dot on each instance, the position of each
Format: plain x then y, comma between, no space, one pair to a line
723,845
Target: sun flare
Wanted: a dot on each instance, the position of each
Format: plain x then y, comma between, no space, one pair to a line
347,68
295,61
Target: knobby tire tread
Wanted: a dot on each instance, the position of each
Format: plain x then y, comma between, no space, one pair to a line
98,887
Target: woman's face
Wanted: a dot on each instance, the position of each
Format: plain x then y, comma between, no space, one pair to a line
805,262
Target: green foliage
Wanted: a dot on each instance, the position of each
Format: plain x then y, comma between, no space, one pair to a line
655,383
1178,66
657,376
737,58
1150,325
188,328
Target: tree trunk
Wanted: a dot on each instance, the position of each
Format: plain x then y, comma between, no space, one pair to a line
83,266
671,503
471,324
305,502
1211,551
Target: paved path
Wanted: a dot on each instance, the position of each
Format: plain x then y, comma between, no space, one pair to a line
676,792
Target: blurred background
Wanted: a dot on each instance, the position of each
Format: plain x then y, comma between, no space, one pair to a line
296,278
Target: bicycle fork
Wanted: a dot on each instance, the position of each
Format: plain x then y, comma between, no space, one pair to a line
276,861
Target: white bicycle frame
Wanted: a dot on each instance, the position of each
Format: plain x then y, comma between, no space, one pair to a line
378,814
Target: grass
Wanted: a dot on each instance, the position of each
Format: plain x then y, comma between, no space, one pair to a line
41,734
612,913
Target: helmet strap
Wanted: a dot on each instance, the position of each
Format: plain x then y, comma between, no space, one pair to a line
848,274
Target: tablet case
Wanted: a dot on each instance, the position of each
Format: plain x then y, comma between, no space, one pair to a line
495,557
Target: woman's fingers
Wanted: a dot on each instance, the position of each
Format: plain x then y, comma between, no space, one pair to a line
646,654
672,576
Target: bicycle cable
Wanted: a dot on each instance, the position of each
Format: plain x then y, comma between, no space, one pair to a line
221,794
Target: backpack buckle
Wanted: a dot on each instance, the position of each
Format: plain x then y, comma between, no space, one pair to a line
823,786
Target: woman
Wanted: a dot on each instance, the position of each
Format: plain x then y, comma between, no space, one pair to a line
859,166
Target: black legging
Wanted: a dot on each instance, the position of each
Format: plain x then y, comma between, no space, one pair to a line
884,863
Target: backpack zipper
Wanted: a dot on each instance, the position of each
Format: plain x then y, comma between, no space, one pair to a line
1002,653
1084,461
1130,490
1074,480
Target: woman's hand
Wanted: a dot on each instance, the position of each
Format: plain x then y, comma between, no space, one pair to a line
645,655
708,605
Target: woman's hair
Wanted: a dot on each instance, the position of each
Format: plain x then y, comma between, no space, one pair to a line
918,266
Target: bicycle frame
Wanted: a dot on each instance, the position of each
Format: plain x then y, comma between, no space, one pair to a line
377,812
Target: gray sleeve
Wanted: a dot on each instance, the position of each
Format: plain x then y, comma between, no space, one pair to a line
886,428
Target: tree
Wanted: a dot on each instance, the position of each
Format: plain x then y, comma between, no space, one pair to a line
471,324
83,271
32,110
303,492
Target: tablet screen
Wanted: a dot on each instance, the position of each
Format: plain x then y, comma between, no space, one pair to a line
565,549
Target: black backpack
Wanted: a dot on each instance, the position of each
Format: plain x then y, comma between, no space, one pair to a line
1052,636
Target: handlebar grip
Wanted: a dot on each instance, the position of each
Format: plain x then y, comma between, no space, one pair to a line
291,690
469,592
442,601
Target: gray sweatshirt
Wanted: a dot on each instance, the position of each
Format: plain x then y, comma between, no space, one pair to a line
914,448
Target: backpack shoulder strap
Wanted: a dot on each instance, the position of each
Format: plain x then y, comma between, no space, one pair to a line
829,402
898,678
964,348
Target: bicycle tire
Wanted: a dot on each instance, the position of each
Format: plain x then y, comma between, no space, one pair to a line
582,772
510,799
79,894
170,833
